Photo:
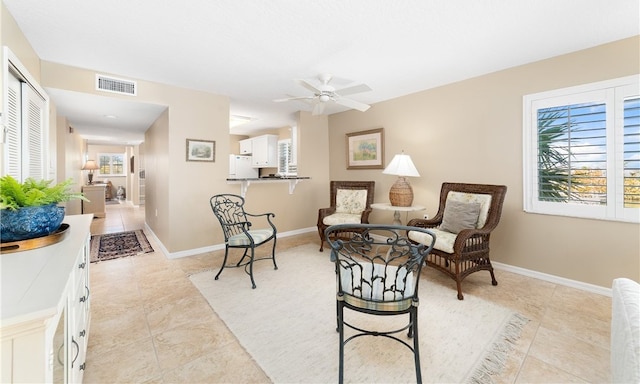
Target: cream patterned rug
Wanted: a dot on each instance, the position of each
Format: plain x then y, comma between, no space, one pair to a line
288,325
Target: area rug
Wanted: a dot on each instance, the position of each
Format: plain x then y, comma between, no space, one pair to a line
120,244
288,325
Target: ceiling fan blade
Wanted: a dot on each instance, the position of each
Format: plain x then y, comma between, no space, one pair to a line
354,89
307,85
294,98
353,104
318,109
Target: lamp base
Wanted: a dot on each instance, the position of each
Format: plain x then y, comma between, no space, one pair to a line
90,175
401,193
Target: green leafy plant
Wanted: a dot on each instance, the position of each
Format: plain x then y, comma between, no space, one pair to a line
31,193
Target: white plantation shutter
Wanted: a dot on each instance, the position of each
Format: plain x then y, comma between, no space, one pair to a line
33,133
13,144
25,151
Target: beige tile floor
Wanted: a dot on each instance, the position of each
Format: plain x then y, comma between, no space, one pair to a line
149,324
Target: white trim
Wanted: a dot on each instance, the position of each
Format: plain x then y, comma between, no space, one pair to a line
554,279
501,266
218,247
607,92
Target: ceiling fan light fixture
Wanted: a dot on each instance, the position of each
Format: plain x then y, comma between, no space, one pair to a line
324,98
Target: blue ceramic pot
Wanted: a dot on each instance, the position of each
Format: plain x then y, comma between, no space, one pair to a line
30,222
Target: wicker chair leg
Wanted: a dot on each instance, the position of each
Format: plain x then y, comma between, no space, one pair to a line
321,233
459,285
494,282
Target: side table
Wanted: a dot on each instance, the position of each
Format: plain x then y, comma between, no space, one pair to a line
396,214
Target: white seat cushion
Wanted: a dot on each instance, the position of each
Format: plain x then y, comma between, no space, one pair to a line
444,240
342,218
258,235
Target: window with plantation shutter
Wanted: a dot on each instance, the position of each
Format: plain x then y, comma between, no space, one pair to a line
26,123
631,162
582,151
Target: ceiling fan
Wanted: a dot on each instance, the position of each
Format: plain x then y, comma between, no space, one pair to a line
325,93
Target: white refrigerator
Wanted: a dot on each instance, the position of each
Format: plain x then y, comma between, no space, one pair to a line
240,167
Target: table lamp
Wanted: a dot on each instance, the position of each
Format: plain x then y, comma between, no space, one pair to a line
90,166
401,193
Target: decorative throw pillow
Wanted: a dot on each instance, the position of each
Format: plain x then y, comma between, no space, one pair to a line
458,216
351,200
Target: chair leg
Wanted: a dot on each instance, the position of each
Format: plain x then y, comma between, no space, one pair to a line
321,233
494,282
340,309
224,262
253,283
273,254
416,344
459,285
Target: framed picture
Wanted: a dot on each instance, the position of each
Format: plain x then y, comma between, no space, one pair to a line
365,149
201,150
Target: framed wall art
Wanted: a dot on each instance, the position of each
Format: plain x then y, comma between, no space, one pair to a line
365,149
201,150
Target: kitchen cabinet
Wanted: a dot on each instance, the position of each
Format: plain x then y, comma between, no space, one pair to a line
264,151
46,309
96,194
246,147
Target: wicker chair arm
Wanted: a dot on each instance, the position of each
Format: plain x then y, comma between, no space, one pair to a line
324,212
424,223
364,217
474,239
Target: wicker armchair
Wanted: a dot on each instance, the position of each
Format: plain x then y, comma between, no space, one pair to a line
350,204
462,248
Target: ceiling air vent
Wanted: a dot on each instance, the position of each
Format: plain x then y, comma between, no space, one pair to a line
111,84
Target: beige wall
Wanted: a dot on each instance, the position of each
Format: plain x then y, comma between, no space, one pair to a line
471,131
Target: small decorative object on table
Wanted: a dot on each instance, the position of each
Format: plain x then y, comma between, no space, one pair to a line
29,210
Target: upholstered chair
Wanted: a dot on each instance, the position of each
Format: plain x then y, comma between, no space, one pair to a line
378,272
467,215
350,203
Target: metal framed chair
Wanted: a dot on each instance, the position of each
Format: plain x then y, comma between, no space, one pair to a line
378,272
467,215
238,232
350,204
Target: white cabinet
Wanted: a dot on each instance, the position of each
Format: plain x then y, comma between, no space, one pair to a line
264,151
45,313
245,147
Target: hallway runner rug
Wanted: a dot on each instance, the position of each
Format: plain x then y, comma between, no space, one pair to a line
288,325
121,244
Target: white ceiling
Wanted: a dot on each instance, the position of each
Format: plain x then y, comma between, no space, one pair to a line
251,50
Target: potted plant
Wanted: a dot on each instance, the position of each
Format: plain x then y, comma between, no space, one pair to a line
30,209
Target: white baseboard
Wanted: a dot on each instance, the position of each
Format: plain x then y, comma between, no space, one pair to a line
505,267
554,279
215,247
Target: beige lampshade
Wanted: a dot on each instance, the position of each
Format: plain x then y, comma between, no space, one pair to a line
401,193
90,165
